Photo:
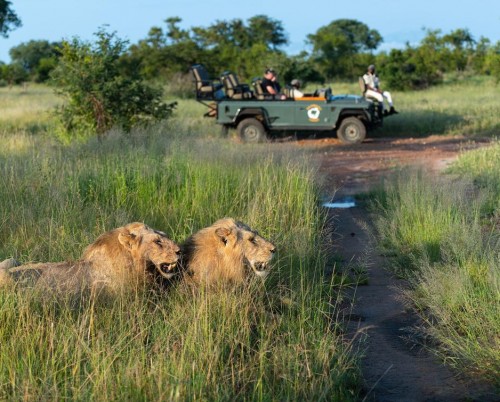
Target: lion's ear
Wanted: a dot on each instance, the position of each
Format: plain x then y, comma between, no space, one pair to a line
223,233
127,240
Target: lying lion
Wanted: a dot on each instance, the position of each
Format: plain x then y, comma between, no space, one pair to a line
118,260
226,252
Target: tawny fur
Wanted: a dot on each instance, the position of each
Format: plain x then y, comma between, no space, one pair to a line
118,260
126,256
225,252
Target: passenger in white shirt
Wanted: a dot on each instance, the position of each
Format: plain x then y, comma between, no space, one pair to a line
372,84
295,90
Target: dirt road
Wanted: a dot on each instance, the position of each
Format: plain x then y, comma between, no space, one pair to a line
394,369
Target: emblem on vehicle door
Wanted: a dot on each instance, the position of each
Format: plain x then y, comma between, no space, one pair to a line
313,112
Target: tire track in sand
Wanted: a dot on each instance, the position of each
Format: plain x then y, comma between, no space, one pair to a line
393,369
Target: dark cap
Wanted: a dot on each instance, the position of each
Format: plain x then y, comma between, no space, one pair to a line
371,67
270,70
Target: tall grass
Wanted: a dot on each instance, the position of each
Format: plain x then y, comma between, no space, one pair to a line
272,341
447,248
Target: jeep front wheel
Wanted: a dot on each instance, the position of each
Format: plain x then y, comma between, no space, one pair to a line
252,130
351,131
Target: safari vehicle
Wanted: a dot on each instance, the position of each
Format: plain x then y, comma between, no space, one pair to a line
257,116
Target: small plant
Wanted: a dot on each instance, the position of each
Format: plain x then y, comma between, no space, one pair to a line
99,96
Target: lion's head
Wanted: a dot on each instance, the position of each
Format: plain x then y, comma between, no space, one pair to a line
133,250
226,251
153,249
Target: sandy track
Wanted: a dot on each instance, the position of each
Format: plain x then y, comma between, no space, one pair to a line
394,368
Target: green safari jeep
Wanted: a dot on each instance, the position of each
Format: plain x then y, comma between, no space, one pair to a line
257,116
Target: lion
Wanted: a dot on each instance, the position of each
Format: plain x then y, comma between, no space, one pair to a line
118,260
225,252
5,265
132,254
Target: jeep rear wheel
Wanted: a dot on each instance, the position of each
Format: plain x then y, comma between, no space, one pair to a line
351,131
252,130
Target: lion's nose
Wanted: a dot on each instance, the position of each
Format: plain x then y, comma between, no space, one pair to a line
273,250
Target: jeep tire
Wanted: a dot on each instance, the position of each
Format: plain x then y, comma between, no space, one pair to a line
351,131
251,130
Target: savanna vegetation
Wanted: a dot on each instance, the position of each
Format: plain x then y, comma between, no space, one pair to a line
276,340
259,342
340,50
445,239
266,341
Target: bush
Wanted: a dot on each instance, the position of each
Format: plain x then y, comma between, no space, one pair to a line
99,95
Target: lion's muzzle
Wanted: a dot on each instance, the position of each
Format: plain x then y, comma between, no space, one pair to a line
168,270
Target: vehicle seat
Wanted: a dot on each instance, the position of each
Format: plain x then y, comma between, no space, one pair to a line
323,93
259,91
234,89
206,88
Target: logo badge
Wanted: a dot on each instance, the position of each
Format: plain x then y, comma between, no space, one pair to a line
313,112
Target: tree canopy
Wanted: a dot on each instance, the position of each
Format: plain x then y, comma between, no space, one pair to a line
336,47
8,18
340,50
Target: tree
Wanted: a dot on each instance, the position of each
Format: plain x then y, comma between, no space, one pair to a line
37,57
337,45
492,61
246,48
164,53
8,18
13,73
461,44
99,96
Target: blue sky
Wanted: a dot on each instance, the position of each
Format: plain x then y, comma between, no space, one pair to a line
398,21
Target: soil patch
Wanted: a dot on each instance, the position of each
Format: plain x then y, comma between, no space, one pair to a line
353,169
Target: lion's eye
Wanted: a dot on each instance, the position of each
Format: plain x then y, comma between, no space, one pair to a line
253,240
158,241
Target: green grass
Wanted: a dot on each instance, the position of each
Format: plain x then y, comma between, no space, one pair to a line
459,107
258,342
27,109
272,341
447,247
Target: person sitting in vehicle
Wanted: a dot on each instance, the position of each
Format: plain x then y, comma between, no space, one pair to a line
270,84
295,91
373,90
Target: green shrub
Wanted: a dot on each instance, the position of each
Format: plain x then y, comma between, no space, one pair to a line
99,96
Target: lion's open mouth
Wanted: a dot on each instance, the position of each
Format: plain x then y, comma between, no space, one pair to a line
167,269
259,268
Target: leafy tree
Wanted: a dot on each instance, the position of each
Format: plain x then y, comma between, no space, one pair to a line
300,67
99,96
492,61
461,44
8,18
246,48
480,53
13,74
337,46
37,57
164,53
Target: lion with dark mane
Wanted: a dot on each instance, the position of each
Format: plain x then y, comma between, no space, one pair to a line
227,251
119,260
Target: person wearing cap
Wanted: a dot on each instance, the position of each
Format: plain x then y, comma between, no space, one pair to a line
295,91
270,84
373,90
